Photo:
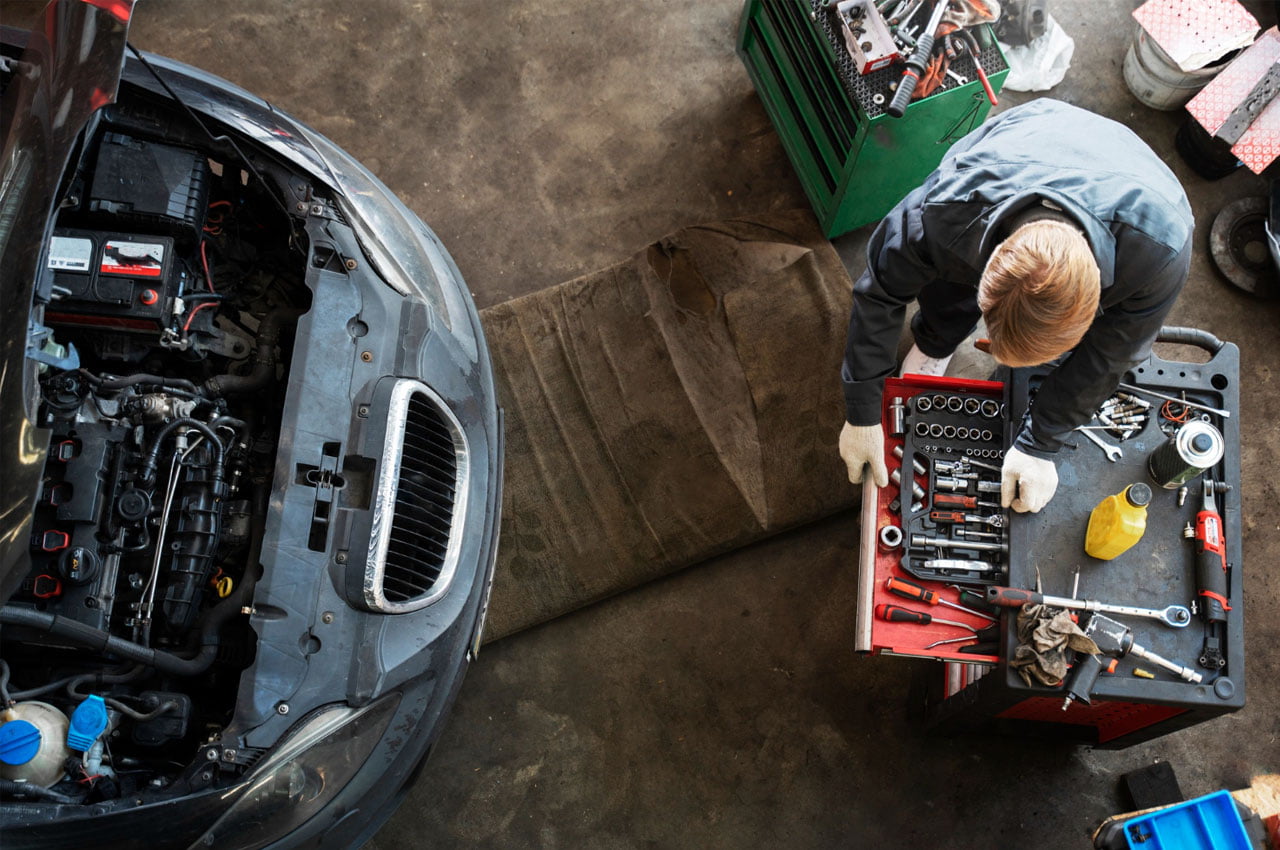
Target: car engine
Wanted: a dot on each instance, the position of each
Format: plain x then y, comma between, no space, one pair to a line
164,321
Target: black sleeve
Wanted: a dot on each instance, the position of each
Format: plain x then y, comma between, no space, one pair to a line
899,265
1117,341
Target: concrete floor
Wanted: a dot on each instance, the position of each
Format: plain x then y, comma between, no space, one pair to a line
720,707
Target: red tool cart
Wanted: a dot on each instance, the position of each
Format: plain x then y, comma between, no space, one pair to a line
971,692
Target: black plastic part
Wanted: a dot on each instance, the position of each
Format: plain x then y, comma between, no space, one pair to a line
1151,787
1209,157
1139,495
170,726
1177,335
160,187
1083,676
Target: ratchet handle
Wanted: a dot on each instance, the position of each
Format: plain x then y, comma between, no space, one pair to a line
1012,597
911,76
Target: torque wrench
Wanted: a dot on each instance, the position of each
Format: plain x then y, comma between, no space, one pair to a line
1177,616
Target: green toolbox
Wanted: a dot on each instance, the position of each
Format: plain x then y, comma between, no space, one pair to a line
854,160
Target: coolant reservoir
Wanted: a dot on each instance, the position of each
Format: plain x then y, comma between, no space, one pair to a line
33,743
1117,522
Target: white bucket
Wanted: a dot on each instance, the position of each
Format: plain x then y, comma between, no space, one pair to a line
1156,80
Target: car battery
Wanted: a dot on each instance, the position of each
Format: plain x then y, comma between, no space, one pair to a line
119,280
1139,699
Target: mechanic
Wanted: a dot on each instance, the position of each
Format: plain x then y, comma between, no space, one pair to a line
1065,233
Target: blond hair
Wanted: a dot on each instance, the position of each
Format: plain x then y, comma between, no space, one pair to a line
1038,293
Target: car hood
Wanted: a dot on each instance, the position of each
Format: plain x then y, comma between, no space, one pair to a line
70,70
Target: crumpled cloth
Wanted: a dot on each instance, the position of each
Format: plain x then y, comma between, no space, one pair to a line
1047,641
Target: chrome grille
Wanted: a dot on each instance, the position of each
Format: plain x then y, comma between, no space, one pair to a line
421,494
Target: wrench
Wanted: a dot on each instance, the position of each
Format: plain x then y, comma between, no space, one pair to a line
1176,616
1113,452
959,78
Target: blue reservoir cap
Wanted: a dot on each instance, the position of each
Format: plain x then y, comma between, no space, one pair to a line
87,723
19,742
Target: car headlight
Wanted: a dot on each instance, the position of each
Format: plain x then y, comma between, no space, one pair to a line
301,777
404,252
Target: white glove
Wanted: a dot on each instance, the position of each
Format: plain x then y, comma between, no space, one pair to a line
862,445
1032,480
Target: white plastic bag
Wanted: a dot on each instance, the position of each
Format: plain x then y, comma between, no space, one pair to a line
1043,63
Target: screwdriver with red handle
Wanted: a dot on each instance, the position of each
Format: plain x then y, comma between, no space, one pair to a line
911,590
951,500
898,614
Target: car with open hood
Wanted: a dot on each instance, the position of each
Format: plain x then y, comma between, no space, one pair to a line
250,462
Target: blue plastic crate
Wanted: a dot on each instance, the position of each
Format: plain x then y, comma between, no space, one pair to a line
1211,822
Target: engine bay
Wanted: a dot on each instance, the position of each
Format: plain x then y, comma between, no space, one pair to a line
164,321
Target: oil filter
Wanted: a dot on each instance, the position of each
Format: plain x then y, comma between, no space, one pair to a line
1195,447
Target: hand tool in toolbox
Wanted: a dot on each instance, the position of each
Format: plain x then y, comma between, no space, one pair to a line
951,500
898,614
1177,616
1211,578
916,62
994,520
1114,640
986,637
911,590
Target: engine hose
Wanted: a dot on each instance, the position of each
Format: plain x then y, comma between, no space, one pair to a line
141,378
153,453
100,641
4,684
9,788
264,357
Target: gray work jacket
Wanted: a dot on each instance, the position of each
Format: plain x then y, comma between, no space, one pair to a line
1131,207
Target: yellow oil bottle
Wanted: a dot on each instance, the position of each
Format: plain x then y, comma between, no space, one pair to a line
1117,522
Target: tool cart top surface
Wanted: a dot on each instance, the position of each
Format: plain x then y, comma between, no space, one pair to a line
1159,570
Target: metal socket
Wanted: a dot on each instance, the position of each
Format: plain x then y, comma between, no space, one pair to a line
971,406
897,417
989,408
955,404
922,404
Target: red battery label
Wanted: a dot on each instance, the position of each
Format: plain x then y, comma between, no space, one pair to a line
135,259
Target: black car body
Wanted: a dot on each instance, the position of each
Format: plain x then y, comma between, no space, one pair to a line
250,462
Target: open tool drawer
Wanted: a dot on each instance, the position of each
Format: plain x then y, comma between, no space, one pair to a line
878,562
1157,572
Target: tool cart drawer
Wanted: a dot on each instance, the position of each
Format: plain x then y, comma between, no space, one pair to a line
1158,571
976,429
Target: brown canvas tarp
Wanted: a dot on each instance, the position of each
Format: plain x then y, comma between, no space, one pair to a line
675,406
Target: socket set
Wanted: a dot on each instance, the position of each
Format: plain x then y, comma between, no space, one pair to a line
952,526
